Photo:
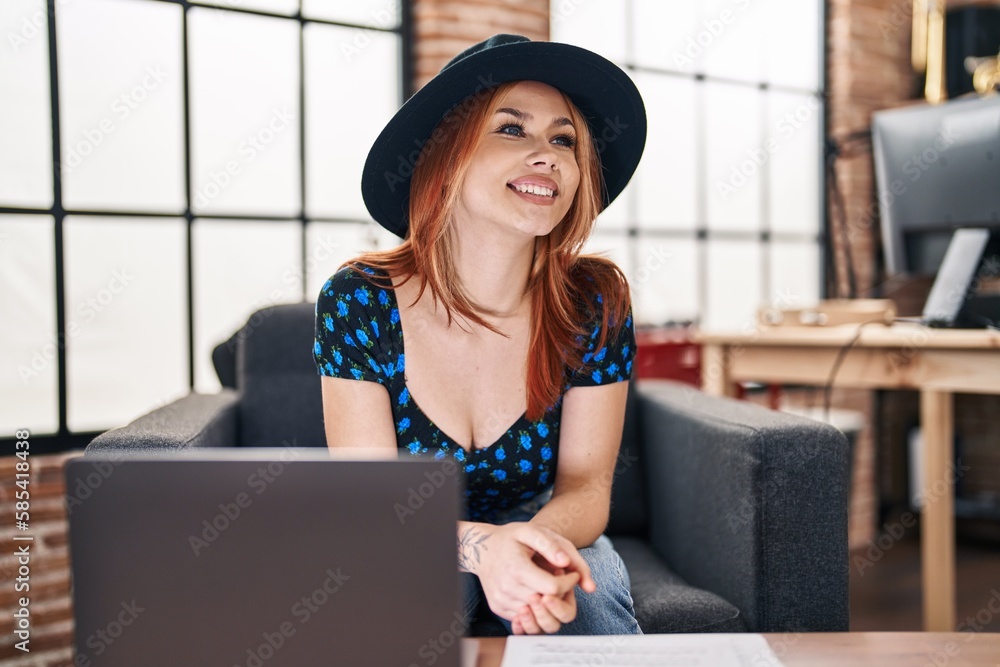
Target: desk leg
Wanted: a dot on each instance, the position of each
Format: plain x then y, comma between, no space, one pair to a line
715,371
937,529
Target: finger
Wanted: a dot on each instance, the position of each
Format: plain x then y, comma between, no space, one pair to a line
546,542
579,564
539,580
563,610
529,624
516,628
544,618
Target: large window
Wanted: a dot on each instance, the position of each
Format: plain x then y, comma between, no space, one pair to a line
725,212
166,168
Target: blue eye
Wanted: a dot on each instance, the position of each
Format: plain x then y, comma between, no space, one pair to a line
511,126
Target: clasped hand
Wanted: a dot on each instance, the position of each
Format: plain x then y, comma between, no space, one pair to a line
529,576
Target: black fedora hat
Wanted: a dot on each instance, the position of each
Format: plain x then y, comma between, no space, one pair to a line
605,95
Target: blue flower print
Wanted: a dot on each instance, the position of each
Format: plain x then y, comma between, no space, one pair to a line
374,324
394,316
600,355
341,309
329,368
356,373
404,396
596,376
389,370
415,447
439,454
628,368
525,465
362,336
383,298
544,477
501,454
500,475
546,453
361,294
400,364
600,299
459,454
525,440
612,369
374,365
349,340
470,468
625,352
543,429
338,357
317,349
329,323
369,270
403,424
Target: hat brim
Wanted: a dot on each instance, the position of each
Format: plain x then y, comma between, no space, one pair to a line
600,89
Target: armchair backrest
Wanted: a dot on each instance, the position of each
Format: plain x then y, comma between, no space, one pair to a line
281,403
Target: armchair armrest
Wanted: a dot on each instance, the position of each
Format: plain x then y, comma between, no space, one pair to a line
749,503
197,420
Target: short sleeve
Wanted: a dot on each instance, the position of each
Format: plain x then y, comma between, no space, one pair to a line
613,361
347,329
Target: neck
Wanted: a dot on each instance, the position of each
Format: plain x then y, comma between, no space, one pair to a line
494,268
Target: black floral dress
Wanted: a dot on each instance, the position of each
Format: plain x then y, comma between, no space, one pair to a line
359,336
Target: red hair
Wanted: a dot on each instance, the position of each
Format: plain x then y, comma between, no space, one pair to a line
562,282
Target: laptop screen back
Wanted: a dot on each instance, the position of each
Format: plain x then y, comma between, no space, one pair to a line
263,558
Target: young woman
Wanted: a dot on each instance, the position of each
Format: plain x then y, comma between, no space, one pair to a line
517,358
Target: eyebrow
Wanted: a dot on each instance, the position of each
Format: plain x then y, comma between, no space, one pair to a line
558,121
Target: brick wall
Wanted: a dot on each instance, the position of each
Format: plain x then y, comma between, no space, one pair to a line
50,605
443,28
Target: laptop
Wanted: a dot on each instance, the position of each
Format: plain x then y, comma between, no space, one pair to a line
263,557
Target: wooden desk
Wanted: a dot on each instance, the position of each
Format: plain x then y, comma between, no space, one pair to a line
886,649
936,362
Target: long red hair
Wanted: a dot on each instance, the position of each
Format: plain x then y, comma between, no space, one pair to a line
562,282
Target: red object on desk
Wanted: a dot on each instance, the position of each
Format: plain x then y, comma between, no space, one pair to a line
669,353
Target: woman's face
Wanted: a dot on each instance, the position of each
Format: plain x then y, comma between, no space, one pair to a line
524,175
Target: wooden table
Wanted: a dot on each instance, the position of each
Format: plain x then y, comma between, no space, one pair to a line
885,649
936,362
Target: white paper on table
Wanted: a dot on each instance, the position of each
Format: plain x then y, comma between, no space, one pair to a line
673,650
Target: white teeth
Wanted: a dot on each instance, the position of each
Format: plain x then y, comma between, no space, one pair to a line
535,190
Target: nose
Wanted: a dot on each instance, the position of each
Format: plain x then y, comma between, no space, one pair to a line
544,156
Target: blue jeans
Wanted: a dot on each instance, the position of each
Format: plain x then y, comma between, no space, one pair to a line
606,611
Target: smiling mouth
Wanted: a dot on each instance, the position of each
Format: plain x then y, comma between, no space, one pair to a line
537,190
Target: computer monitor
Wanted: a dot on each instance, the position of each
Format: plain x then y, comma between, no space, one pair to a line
937,169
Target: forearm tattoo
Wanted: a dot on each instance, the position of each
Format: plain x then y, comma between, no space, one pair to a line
470,545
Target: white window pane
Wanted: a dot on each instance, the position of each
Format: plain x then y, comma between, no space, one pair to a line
350,97
665,34
29,373
735,155
288,7
794,274
665,282
795,125
120,87
732,36
794,35
239,268
126,291
666,177
618,215
330,244
244,114
598,25
375,13
25,125
734,289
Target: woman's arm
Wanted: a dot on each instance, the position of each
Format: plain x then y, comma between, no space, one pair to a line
589,440
343,401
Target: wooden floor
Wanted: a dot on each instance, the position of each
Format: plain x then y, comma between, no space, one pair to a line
885,586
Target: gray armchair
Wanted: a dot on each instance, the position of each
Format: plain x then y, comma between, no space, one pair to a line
730,517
